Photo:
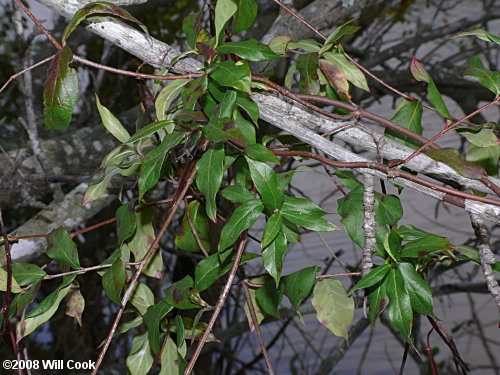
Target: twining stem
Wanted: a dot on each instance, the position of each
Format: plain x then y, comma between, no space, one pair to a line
256,324
220,303
391,173
185,182
448,128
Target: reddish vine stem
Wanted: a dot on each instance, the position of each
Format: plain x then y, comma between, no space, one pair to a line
220,303
392,173
256,324
39,25
18,74
391,125
429,354
294,14
296,98
185,182
368,115
448,128
8,293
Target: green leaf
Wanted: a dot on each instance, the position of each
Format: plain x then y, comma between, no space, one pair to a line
167,96
334,309
185,239
245,15
348,179
242,218
308,45
153,317
339,32
335,76
111,123
27,274
140,359
411,233
351,209
60,93
419,291
351,71
99,8
418,71
15,288
269,297
264,178
290,231
179,294
392,244
273,227
170,359
259,314
279,44
307,65
179,325
422,246
149,129
481,34
249,106
378,300
143,239
127,326
452,158
476,69
210,269
113,281
224,10
153,162
374,277
399,311
75,303
437,100
408,115
209,172
272,256
420,74
250,50
237,194
44,311
305,206
308,221
260,152
62,248
126,222
230,74
141,298
483,137
487,157
192,91
298,285
289,76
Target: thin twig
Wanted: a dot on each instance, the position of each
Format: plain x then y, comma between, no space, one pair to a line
87,269
184,184
256,324
194,231
448,128
403,360
430,355
18,74
391,173
220,303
